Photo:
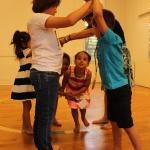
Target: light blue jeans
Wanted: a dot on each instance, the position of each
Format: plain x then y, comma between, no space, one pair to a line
46,87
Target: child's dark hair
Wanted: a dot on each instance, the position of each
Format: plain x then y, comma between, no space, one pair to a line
20,41
90,15
42,5
66,56
89,56
118,30
109,18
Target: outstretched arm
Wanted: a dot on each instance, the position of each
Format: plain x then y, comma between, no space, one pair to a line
71,19
78,35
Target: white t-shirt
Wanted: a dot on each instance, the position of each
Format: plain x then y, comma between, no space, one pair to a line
46,52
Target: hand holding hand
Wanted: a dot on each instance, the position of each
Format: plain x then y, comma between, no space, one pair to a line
64,40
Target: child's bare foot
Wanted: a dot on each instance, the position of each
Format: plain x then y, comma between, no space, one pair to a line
86,123
76,129
27,131
56,147
100,121
106,126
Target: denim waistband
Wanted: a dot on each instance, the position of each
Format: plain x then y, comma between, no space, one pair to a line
48,72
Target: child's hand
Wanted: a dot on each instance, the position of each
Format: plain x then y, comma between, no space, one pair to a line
64,40
70,96
61,93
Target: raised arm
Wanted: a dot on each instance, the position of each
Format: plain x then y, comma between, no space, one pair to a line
98,15
71,19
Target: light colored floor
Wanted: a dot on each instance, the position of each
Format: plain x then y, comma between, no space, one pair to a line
91,138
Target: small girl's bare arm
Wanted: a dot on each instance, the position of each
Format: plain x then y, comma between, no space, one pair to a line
29,54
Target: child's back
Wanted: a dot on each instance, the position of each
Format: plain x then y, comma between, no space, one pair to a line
110,57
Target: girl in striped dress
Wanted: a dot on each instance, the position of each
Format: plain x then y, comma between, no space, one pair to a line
76,82
22,90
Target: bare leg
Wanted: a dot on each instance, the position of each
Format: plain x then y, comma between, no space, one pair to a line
55,122
26,125
104,119
134,138
83,118
75,116
117,134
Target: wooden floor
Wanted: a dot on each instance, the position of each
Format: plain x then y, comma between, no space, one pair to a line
91,138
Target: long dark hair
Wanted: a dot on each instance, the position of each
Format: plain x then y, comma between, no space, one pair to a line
118,30
20,41
109,18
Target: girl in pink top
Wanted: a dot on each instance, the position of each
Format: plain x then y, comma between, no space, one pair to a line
75,83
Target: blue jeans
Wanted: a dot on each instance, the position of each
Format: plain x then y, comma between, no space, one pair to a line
46,87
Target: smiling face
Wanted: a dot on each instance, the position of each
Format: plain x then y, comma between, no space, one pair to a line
82,60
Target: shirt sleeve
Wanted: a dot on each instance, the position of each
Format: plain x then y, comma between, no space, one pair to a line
41,19
111,38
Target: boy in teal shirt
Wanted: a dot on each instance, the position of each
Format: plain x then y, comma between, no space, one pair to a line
118,91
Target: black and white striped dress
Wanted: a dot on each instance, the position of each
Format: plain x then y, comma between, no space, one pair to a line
22,89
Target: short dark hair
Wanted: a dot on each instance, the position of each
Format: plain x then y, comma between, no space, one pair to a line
89,56
42,5
66,56
90,15
109,18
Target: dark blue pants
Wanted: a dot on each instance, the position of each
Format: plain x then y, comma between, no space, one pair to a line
46,87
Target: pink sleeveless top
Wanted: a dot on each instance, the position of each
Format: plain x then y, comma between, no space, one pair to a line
74,84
